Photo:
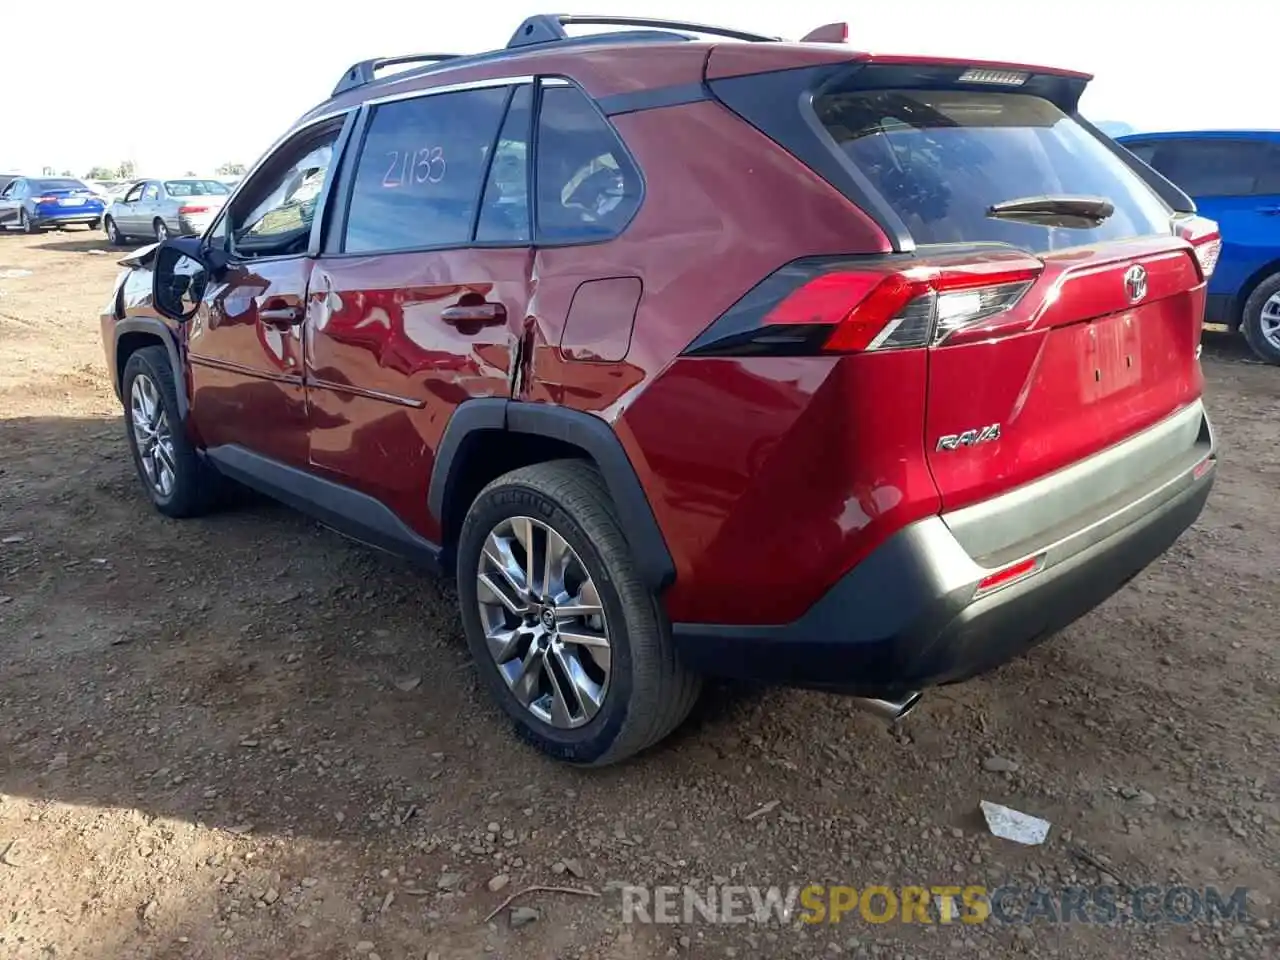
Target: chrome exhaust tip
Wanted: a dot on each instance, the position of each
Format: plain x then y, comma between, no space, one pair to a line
890,711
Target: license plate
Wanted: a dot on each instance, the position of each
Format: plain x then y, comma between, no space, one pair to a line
72,201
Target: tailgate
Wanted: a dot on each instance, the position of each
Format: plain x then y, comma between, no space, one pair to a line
1111,349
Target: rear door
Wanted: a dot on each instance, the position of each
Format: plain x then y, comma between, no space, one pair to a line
1101,340
245,341
1237,183
147,209
420,297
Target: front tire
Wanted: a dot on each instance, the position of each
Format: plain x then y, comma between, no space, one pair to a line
162,231
114,236
26,224
175,480
567,638
1260,320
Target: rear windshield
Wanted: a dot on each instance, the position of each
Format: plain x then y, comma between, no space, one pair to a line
60,184
942,158
195,188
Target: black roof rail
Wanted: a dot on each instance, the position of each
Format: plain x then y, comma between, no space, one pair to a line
549,28
358,74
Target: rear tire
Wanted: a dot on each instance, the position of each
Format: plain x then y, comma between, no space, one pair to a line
114,236
177,482
1260,319
644,691
95,224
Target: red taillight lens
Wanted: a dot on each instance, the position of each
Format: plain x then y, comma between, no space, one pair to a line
1204,236
45,200
917,307
193,209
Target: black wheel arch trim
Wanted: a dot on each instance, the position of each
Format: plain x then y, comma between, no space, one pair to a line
163,333
583,430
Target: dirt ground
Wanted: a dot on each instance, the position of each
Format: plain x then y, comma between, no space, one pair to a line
244,737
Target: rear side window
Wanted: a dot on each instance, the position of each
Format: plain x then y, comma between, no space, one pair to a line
942,158
421,169
1216,167
588,189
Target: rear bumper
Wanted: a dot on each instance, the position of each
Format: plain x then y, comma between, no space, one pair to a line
907,618
192,226
52,217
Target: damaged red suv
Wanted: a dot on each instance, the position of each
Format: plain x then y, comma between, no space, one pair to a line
690,353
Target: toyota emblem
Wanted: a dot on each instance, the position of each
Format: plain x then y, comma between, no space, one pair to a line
1135,283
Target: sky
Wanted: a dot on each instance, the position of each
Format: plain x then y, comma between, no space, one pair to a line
178,88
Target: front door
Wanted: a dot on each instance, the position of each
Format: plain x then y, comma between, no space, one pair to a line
125,210
245,341
419,300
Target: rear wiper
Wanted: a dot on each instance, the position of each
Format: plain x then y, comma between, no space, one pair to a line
1065,211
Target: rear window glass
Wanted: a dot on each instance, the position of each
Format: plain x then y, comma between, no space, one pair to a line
195,188
59,184
942,158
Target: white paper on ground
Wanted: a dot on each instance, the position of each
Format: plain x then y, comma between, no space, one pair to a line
1012,825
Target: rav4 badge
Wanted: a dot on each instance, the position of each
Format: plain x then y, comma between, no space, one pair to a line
953,441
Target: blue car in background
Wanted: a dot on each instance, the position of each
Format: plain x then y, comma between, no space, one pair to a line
30,203
1234,178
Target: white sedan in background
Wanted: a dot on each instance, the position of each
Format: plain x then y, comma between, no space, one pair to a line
159,209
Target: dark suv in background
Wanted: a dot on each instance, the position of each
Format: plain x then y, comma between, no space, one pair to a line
691,357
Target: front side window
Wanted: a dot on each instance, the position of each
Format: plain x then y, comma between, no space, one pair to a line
134,193
284,197
588,188
152,192
420,170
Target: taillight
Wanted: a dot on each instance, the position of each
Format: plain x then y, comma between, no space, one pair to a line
824,307
193,209
1205,238
45,200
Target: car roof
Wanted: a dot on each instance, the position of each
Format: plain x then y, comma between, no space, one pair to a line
647,53
1202,135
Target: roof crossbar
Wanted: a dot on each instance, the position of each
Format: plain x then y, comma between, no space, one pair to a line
549,28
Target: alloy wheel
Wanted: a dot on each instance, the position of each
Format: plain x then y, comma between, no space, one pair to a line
153,435
1269,322
162,231
544,622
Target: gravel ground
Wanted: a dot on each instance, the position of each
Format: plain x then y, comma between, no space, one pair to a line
244,737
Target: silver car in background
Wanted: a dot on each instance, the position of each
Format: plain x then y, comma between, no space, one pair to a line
161,209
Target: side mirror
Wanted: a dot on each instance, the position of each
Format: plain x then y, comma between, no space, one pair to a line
179,278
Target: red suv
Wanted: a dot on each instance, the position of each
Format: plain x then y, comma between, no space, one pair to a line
695,357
